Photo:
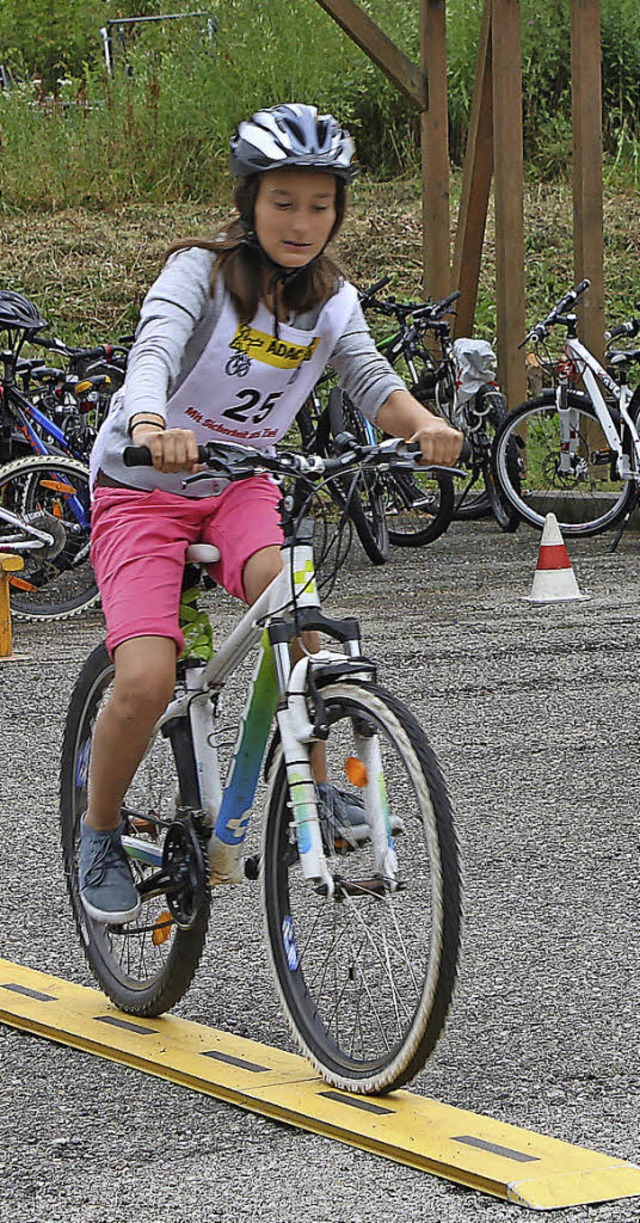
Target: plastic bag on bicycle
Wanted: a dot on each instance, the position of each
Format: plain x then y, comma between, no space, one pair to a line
475,366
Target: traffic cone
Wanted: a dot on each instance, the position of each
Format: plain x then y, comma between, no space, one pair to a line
554,580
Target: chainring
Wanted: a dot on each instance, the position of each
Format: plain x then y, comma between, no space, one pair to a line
43,521
183,859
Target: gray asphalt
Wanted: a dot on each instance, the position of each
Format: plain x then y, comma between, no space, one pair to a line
533,712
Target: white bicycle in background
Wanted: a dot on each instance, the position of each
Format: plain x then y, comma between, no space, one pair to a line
362,928
579,448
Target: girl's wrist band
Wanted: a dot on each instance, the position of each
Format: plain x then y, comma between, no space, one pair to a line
144,421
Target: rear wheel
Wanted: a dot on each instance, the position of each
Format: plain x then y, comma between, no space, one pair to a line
366,976
565,467
145,966
51,493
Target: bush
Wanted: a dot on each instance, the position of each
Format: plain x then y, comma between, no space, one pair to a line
159,128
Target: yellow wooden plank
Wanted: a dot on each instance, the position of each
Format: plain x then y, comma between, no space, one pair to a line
493,1157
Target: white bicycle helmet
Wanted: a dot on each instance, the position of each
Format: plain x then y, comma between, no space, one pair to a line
292,135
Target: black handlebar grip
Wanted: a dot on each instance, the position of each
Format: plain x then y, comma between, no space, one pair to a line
448,301
375,288
140,456
137,456
621,329
466,452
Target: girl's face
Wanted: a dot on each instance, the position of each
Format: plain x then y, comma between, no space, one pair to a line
294,214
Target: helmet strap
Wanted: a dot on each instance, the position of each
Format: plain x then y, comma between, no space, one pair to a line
280,275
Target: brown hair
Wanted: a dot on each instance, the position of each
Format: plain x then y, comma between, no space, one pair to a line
240,264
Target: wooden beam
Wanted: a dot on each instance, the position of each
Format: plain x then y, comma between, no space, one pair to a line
378,46
588,221
9,563
434,134
476,186
509,196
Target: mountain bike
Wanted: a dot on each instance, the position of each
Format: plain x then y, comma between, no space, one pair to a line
458,383
50,494
363,933
579,449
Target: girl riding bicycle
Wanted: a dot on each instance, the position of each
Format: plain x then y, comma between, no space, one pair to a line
232,337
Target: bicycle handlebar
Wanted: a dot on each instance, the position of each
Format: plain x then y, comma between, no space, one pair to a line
367,294
238,462
107,352
427,313
631,329
557,315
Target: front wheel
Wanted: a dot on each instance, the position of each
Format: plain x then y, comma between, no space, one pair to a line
146,965
366,976
52,494
566,466
420,506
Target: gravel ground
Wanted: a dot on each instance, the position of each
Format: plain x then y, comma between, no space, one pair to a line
533,713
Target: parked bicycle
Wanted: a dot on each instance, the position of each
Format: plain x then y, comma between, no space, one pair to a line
49,410
50,494
579,449
362,930
458,383
359,495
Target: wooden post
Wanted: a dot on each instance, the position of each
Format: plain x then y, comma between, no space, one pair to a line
434,136
476,186
9,563
586,93
509,196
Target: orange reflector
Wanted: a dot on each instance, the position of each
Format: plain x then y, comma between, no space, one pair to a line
355,771
162,928
81,387
22,584
56,486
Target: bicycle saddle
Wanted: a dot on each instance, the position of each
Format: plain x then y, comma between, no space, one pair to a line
202,554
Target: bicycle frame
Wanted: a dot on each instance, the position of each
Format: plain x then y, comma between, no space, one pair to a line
280,688
31,537
593,372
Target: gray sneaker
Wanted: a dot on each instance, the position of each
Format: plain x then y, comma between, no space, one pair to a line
107,889
343,818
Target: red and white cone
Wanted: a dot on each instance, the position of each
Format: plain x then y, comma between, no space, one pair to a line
554,580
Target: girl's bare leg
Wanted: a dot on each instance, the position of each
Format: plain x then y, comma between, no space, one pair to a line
145,676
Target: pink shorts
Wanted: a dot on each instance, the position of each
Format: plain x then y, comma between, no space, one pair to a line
139,540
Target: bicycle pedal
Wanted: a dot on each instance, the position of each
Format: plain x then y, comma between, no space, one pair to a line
138,824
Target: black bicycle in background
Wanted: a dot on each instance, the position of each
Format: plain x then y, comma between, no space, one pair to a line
456,380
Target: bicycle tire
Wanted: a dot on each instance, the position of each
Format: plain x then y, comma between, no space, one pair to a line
318,977
419,505
139,976
53,493
505,514
364,497
587,503
471,507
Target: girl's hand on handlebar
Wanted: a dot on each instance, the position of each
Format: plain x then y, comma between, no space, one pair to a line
171,449
438,442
